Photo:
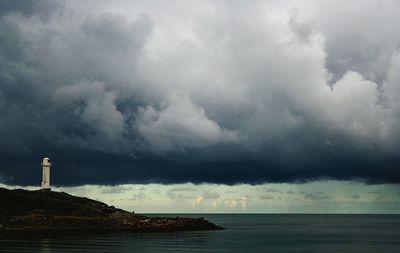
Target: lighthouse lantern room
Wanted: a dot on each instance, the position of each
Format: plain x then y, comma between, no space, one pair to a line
46,164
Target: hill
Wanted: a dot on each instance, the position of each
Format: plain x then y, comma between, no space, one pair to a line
22,210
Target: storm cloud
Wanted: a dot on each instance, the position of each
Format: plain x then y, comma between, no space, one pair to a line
200,91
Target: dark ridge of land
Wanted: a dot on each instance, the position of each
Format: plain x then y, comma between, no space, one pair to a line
22,210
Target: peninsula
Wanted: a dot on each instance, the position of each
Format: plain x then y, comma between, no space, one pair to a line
41,210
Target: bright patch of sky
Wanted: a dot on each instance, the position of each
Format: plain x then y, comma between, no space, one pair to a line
312,197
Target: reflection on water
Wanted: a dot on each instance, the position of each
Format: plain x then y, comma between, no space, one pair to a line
45,245
252,233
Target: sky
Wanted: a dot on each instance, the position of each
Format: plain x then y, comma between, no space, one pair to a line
205,106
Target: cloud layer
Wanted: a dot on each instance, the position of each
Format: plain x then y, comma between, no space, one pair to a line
221,92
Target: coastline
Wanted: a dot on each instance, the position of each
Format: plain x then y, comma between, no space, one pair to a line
24,210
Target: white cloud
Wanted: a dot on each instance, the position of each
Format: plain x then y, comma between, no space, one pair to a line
213,73
285,78
180,124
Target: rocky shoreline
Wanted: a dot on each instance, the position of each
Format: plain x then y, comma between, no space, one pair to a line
23,210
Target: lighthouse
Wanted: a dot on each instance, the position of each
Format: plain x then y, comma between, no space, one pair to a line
46,164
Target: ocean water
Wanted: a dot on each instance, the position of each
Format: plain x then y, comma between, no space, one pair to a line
243,233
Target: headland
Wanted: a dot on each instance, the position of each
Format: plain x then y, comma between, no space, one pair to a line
23,210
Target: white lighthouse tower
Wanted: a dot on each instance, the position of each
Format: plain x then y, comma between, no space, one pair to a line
46,164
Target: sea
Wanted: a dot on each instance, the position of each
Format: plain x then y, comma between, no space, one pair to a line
282,233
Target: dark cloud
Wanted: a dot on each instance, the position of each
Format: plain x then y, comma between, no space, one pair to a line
42,8
181,193
266,197
233,192
114,97
316,196
374,192
116,189
210,194
273,190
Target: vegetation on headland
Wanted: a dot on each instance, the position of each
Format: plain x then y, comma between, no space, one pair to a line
22,210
